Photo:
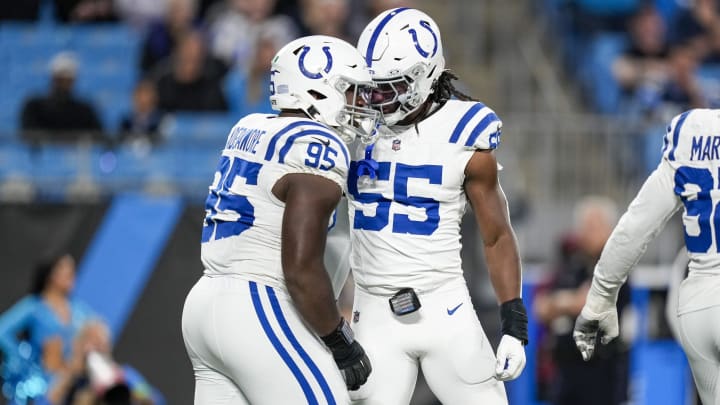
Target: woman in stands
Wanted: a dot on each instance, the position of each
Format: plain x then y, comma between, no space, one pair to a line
36,334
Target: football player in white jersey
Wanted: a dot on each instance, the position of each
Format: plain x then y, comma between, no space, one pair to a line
261,326
408,192
688,176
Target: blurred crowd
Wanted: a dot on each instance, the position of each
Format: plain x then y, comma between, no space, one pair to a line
57,350
195,56
643,61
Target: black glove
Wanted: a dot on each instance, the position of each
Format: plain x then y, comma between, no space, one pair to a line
349,355
514,320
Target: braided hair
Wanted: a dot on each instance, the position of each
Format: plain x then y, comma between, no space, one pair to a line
444,90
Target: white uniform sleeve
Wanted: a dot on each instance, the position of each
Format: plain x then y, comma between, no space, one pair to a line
478,127
322,153
647,214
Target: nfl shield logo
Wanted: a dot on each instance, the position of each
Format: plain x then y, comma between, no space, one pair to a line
356,316
396,144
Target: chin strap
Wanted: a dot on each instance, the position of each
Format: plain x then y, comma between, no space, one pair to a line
368,166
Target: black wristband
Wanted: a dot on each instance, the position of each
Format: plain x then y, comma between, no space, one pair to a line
514,319
342,336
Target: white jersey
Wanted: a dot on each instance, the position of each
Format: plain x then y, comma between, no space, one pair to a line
688,176
242,229
405,222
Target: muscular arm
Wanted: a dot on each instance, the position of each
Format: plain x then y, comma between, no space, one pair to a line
491,213
309,202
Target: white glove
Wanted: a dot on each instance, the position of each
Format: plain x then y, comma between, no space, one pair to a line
598,315
510,351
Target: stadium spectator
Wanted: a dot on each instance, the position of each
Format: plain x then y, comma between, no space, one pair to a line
657,82
143,122
191,80
326,17
698,26
85,10
60,111
47,320
94,377
250,92
683,90
646,61
603,381
654,78
234,28
163,35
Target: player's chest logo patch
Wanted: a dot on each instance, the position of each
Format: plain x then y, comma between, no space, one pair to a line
396,144
356,316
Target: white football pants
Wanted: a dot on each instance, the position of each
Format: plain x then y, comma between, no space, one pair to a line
444,337
700,339
248,345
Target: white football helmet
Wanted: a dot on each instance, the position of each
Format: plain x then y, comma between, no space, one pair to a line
402,48
316,74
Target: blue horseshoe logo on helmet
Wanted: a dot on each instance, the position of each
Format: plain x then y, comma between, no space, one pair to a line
301,62
421,51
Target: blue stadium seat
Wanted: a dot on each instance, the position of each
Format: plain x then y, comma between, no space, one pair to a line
15,161
28,34
196,173
709,79
134,168
209,129
10,109
596,71
33,58
59,165
116,61
104,36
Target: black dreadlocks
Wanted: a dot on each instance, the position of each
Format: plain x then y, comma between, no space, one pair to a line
444,90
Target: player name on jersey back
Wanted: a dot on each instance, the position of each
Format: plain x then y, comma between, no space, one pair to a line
242,228
244,139
693,136
705,147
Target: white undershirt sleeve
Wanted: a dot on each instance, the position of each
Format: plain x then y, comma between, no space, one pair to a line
646,216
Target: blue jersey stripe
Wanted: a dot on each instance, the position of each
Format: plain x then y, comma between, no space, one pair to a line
676,133
293,340
260,311
480,127
376,34
666,141
291,139
271,146
464,121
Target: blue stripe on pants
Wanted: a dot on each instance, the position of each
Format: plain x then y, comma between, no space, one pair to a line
293,340
260,311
